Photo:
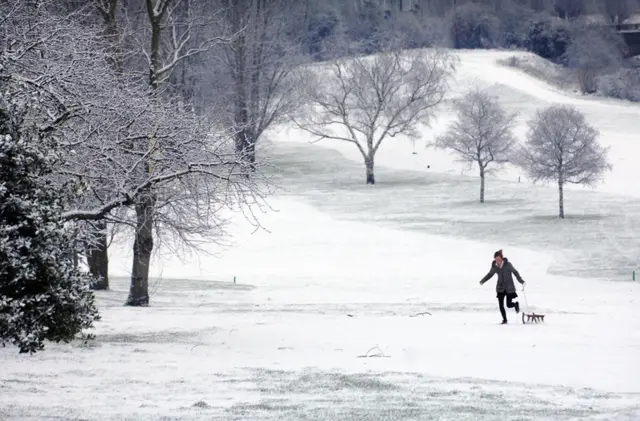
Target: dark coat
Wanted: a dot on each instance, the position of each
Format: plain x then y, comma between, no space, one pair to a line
505,280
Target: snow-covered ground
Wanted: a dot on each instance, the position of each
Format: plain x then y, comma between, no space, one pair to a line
326,320
311,298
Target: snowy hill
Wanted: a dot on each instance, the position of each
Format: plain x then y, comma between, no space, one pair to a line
362,302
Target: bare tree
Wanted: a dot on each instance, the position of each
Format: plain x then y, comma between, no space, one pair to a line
176,159
562,147
482,134
256,84
365,100
163,55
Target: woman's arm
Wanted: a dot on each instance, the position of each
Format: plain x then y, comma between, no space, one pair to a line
488,276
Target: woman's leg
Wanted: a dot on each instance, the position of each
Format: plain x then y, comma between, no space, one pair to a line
501,296
511,304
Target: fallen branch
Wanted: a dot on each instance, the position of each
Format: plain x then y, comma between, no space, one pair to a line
378,355
420,314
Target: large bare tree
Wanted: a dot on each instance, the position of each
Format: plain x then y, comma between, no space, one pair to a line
171,157
365,100
562,147
482,133
169,43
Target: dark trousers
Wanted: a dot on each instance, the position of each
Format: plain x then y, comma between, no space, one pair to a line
510,304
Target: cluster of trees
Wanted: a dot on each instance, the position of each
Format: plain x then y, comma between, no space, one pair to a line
560,145
579,35
366,100
98,133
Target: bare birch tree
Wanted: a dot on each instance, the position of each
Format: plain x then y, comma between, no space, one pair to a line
365,100
482,133
561,147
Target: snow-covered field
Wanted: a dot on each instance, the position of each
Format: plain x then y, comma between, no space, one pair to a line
326,319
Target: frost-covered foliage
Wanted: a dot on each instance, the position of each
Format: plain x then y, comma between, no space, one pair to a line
593,51
539,68
42,295
562,147
482,133
622,84
123,141
547,37
475,26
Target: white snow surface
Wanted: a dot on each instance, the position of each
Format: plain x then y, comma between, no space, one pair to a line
335,277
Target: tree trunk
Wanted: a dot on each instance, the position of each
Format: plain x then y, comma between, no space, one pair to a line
98,258
113,32
370,176
481,185
588,80
154,65
246,146
242,79
142,248
561,199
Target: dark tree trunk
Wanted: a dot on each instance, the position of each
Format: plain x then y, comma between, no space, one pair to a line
98,258
370,175
155,53
482,178
561,191
113,32
561,199
142,248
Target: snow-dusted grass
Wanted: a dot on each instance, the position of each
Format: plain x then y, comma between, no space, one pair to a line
599,237
542,69
344,272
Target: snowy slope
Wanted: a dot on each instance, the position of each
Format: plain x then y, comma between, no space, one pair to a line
617,121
